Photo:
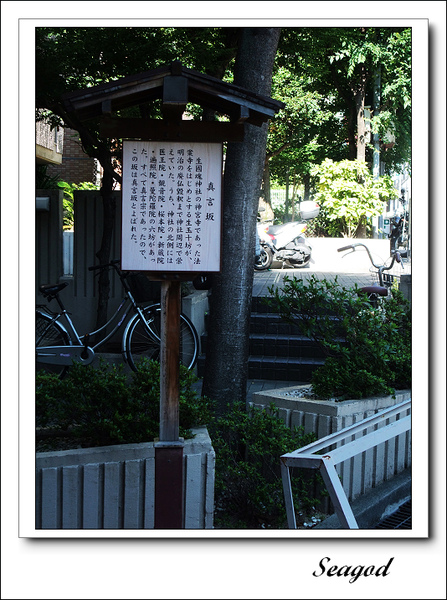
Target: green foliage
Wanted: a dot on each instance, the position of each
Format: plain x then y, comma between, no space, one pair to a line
248,486
394,118
304,131
334,63
45,181
69,189
348,195
100,406
368,349
74,58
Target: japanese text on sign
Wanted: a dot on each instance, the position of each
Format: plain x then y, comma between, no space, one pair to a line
171,216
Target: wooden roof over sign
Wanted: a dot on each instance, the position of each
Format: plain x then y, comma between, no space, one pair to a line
175,85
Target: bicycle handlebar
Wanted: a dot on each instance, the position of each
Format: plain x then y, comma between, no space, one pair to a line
396,256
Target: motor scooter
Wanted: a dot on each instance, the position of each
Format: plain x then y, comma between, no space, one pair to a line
286,243
398,235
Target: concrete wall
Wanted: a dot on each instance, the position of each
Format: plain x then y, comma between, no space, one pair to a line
48,243
195,306
112,487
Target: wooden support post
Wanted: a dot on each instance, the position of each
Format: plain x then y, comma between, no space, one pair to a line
170,361
169,450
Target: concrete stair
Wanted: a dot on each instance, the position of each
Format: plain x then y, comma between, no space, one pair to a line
278,351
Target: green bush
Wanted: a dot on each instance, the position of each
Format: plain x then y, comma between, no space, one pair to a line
102,406
68,201
248,485
349,195
368,349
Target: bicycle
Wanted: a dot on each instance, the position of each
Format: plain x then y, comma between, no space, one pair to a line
58,346
374,292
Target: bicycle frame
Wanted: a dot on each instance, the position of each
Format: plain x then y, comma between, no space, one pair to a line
80,339
79,348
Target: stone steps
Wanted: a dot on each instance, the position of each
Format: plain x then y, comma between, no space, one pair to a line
277,351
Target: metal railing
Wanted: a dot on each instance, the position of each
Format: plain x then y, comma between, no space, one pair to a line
340,449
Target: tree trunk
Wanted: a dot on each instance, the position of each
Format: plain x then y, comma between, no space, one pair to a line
306,180
359,97
265,202
102,152
103,254
226,368
351,131
361,130
360,231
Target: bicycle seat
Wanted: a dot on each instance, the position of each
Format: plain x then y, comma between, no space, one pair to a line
374,289
49,289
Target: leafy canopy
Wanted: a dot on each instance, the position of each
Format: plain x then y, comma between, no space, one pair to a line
336,64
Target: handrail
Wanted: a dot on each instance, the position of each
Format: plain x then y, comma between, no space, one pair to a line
308,457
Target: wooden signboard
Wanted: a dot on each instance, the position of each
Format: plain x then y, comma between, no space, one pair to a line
172,212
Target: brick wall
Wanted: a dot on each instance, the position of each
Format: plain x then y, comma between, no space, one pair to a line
76,166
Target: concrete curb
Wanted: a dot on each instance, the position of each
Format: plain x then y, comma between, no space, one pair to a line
377,504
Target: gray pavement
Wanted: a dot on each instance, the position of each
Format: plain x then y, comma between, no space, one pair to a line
349,268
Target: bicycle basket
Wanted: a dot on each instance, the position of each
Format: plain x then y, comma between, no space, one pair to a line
142,289
387,278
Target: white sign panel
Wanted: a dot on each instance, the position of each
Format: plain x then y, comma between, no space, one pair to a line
171,214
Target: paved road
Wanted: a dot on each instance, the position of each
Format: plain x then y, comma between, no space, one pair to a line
350,268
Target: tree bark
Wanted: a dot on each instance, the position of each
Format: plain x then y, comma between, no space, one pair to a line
359,97
265,209
361,129
307,186
226,367
103,254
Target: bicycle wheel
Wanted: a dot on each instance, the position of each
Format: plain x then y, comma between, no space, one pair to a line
49,333
143,339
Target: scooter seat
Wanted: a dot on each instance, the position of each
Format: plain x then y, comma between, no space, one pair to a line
277,229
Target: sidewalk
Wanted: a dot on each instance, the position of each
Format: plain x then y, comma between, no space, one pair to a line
348,267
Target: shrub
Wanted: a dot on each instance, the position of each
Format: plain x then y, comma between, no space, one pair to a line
102,406
348,195
68,201
368,349
248,485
